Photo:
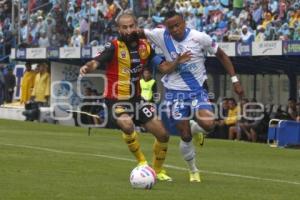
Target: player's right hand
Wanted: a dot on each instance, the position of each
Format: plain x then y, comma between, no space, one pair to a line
238,89
88,67
184,57
84,70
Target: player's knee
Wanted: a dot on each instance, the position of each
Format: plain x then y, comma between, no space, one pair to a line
127,129
163,137
126,126
185,133
208,125
186,136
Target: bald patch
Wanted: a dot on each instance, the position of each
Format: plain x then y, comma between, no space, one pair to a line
125,17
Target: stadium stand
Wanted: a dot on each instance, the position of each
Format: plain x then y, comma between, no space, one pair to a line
56,23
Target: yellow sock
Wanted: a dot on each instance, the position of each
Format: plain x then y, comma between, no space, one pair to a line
159,155
134,146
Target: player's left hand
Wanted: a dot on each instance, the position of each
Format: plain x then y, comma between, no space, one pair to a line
238,89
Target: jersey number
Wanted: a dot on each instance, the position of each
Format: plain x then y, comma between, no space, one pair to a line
147,112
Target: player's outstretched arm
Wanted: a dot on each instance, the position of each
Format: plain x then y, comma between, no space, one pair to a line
224,59
89,67
170,66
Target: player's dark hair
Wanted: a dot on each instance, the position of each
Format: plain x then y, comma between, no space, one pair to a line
170,14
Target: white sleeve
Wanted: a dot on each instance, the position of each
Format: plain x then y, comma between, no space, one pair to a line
155,35
208,43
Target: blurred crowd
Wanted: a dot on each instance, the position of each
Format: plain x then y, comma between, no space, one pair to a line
241,20
6,33
56,23
43,23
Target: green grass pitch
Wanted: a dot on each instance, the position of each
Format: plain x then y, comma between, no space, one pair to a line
42,161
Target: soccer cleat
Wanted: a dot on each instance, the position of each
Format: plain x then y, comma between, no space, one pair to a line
198,139
195,177
162,176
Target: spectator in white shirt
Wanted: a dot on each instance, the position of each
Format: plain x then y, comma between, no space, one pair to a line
77,39
23,30
246,35
43,41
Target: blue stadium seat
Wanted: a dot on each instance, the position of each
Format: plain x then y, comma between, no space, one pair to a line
283,133
288,133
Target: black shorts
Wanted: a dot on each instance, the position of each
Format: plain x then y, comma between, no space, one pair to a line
140,111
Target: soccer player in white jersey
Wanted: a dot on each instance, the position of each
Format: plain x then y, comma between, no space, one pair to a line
185,77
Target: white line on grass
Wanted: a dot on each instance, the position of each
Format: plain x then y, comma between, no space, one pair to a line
168,166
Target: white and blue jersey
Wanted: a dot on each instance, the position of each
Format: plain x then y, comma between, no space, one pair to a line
184,86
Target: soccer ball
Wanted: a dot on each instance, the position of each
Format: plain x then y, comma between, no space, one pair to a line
143,177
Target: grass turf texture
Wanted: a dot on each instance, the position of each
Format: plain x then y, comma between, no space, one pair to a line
41,161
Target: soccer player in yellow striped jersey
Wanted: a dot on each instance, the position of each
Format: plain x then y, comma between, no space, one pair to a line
123,60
